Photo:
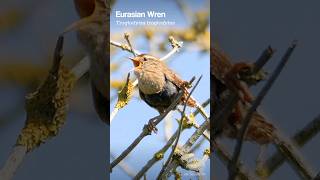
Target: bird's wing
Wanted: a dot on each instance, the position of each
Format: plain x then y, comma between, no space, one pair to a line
220,63
176,80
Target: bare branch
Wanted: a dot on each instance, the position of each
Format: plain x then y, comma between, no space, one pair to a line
186,148
13,162
159,155
176,46
255,104
19,151
125,167
126,36
225,157
146,131
179,131
124,47
300,138
293,156
81,68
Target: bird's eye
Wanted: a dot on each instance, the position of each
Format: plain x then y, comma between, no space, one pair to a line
145,59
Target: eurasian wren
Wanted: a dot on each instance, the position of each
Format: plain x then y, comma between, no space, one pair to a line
93,33
158,85
224,80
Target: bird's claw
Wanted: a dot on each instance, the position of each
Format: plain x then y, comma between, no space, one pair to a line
151,126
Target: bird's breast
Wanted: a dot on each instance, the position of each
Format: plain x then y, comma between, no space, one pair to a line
151,82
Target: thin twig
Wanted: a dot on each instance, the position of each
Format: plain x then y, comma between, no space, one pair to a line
300,139
126,168
155,158
179,132
203,105
235,158
126,37
81,68
161,152
16,157
263,59
218,123
222,153
293,156
201,130
175,44
198,145
225,157
146,130
13,162
124,47
186,148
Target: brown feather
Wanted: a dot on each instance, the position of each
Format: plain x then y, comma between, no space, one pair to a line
260,130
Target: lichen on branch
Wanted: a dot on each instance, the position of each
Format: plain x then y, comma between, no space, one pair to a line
46,107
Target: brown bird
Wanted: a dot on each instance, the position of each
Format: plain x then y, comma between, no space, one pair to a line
224,79
93,33
158,85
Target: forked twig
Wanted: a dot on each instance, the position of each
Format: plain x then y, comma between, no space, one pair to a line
160,153
300,138
179,131
146,130
235,158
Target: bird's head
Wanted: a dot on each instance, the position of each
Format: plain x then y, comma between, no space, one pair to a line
139,60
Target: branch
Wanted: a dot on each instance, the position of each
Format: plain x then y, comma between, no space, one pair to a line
186,148
175,44
300,138
222,153
146,130
217,124
225,157
179,131
293,156
127,169
159,155
13,162
16,157
263,59
81,68
235,158
124,47
126,36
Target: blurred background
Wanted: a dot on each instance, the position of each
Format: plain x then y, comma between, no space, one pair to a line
243,29
28,33
191,20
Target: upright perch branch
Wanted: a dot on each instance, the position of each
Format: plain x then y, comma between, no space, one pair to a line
256,103
300,138
146,130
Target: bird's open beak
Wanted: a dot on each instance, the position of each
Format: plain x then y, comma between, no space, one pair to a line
136,63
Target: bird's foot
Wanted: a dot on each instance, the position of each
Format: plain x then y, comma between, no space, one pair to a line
151,126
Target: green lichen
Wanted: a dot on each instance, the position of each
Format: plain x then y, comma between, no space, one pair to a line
46,108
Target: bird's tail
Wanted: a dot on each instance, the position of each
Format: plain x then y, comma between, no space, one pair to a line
190,102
